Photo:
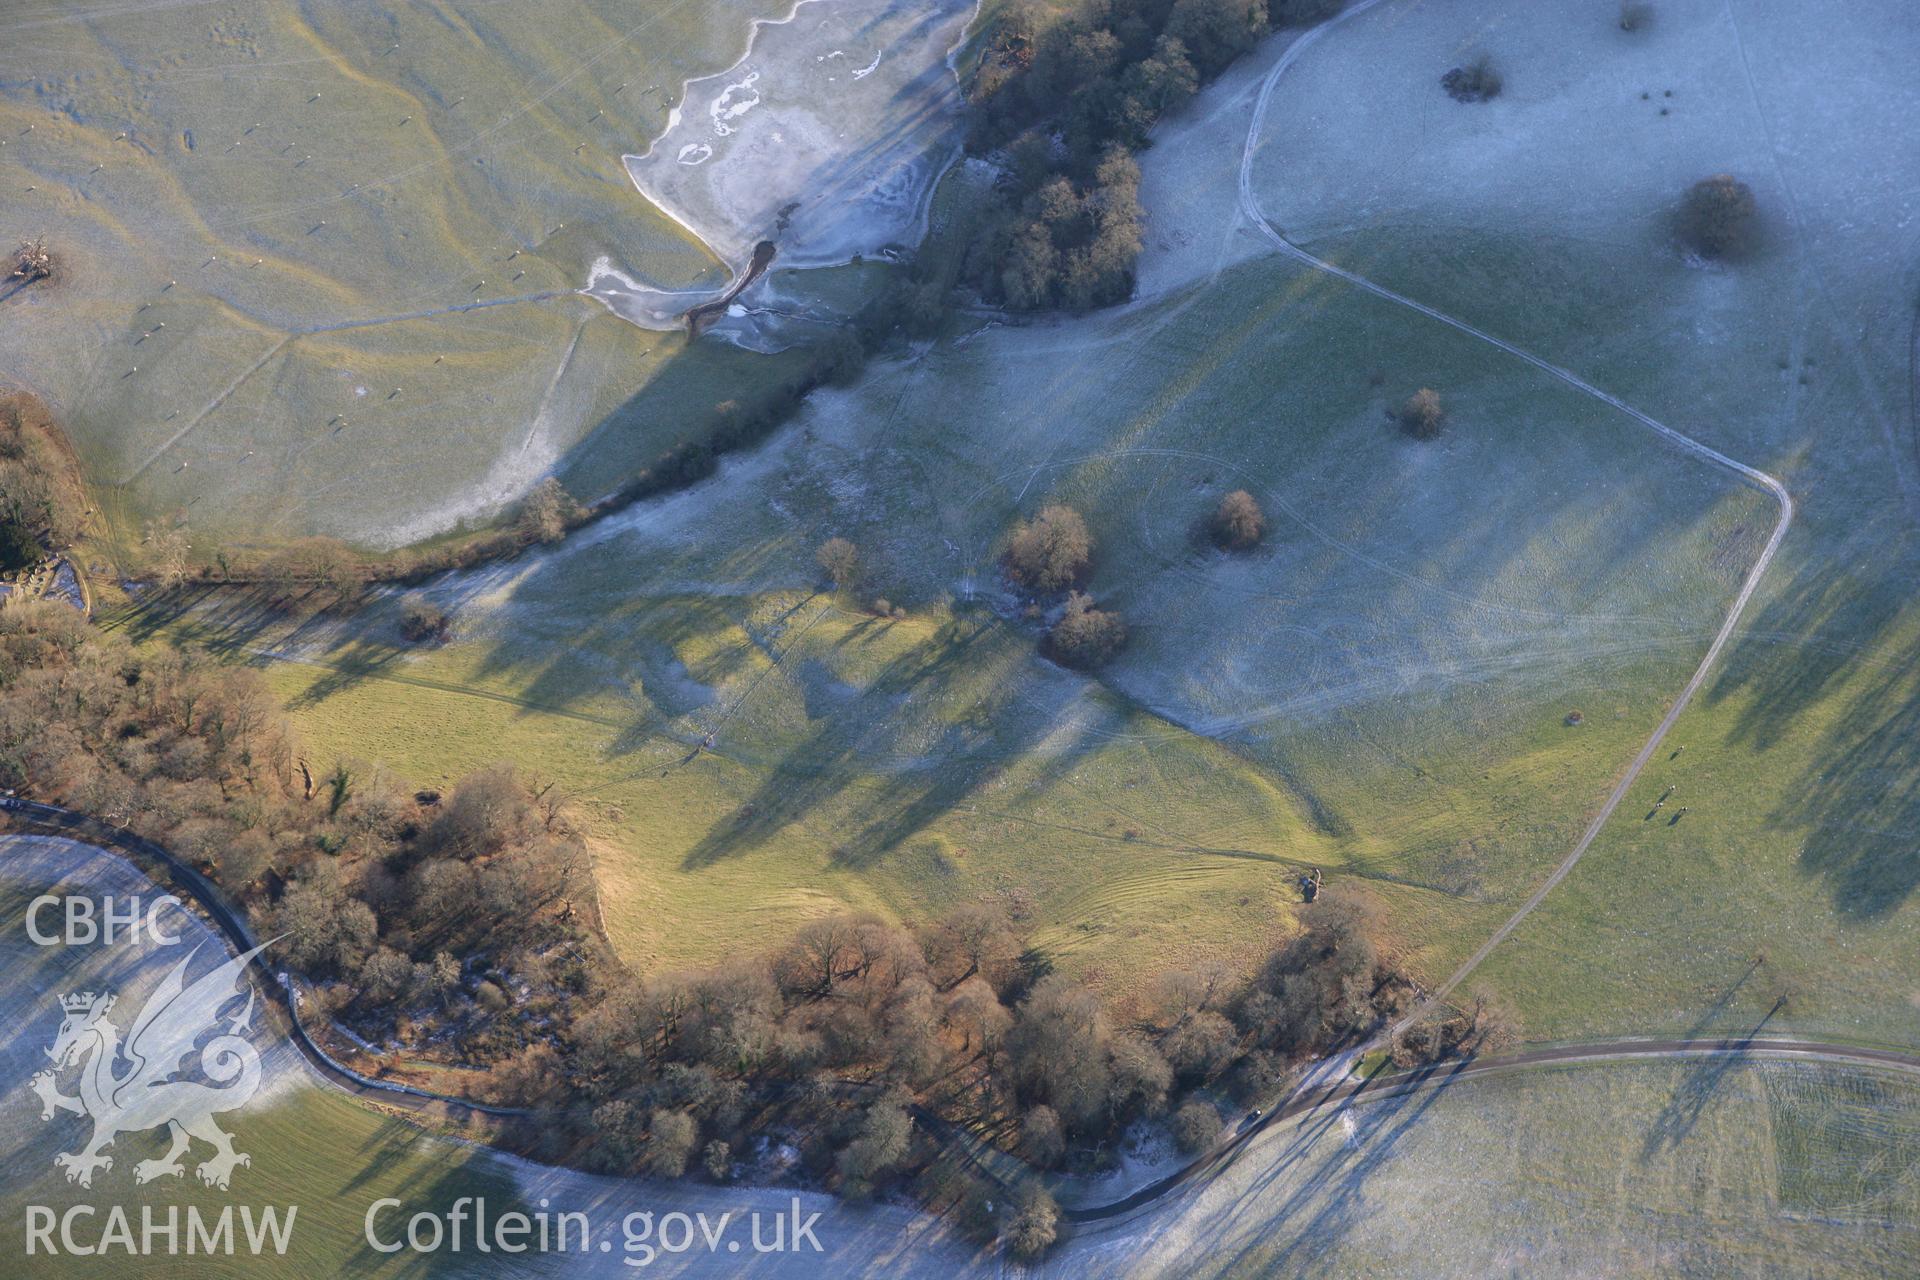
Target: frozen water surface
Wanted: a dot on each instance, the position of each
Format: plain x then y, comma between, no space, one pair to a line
826,138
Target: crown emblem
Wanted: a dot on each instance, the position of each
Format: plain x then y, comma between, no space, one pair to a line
151,1091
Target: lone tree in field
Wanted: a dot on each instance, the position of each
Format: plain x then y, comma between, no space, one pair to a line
170,554
32,261
841,561
1475,82
1421,415
1718,218
421,620
1086,637
1238,522
1051,551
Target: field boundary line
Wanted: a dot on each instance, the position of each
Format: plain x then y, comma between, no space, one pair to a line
211,408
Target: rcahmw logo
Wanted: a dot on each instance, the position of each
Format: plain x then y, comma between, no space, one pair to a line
138,1080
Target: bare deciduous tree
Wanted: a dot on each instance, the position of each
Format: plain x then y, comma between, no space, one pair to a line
170,550
1032,1221
1086,637
32,261
1422,414
841,561
546,511
1050,551
1238,522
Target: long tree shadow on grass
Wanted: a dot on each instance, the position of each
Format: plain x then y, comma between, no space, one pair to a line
923,781
1836,657
1862,799
240,624
1329,1196
224,619
1697,1091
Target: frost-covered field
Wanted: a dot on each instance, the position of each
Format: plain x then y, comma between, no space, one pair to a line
1384,688
1700,1169
1546,217
1380,689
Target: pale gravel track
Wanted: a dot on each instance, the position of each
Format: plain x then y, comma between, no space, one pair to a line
1332,1091
1250,209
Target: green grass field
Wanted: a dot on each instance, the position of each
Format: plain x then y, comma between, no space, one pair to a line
1275,712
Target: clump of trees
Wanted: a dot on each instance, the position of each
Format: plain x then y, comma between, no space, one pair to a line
1197,1126
839,559
1032,1221
42,502
1072,245
1050,552
1329,985
440,926
1238,524
1422,416
1062,101
457,924
1475,82
866,1039
1718,217
1086,638
834,1033
1483,1025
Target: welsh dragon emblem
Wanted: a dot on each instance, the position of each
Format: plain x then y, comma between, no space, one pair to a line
148,1092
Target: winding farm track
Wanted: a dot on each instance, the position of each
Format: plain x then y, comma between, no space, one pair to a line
164,867
1348,1091
1250,209
1314,1094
